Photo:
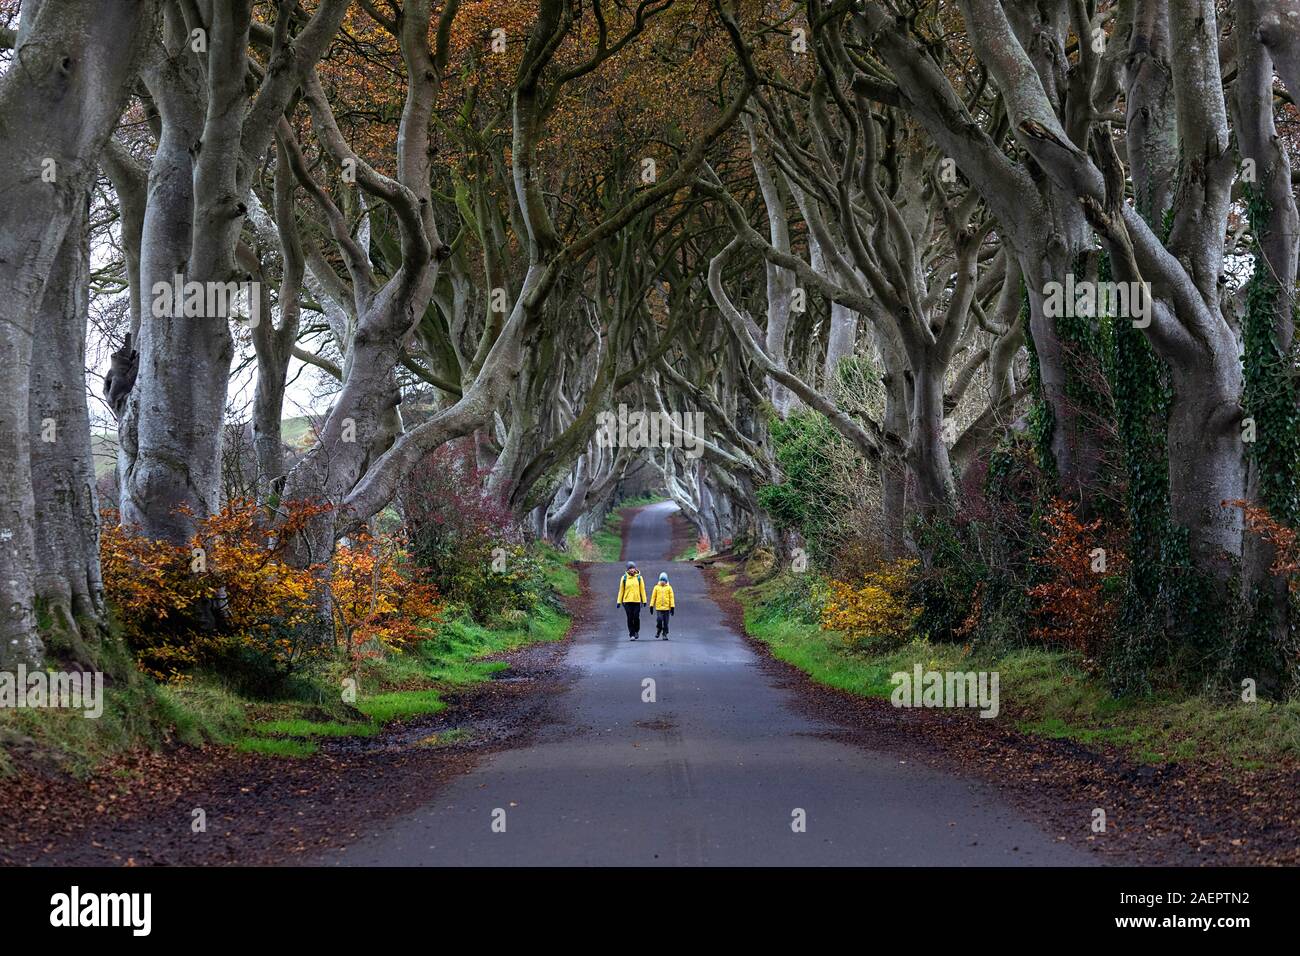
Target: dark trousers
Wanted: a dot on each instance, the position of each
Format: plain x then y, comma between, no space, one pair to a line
661,621
633,618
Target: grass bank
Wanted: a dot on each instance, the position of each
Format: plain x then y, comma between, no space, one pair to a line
335,699
1042,692
378,691
608,541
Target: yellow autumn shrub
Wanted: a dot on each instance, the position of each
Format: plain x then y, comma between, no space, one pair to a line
378,601
879,607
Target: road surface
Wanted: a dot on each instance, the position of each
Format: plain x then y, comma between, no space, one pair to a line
715,770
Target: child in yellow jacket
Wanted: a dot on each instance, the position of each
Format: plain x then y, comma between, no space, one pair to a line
663,604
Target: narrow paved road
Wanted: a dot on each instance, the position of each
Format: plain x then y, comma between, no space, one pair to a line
711,772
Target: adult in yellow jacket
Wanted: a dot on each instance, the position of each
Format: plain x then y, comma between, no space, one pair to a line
663,603
631,594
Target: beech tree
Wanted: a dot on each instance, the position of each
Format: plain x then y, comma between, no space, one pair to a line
339,467
210,140
1064,177
60,98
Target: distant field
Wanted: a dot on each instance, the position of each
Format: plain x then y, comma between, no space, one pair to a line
103,443
295,432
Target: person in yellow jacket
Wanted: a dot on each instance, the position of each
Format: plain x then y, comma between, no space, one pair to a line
631,594
663,604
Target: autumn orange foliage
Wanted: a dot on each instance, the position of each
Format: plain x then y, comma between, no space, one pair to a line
1286,547
377,602
233,588
1072,607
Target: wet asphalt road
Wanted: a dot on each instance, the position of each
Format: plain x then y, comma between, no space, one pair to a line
711,772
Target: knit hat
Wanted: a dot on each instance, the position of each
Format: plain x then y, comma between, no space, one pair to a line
663,576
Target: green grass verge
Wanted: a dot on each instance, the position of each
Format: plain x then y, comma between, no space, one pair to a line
209,709
455,656
401,705
408,685
136,712
404,686
609,539
1042,692
558,569
603,547
299,727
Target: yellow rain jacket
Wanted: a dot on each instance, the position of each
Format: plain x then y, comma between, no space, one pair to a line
631,589
661,598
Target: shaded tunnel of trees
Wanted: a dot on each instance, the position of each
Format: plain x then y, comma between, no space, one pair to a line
1004,292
